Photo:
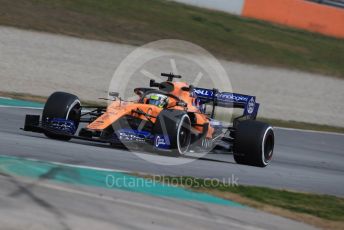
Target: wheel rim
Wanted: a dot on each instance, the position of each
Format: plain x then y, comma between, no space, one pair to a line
74,112
184,135
268,145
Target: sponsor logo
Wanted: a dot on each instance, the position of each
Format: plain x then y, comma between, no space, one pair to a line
226,97
232,97
250,106
160,142
63,125
203,92
132,135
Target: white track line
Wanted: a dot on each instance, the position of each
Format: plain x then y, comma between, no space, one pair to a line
140,173
20,107
70,165
310,131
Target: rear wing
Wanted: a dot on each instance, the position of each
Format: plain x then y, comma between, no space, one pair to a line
228,100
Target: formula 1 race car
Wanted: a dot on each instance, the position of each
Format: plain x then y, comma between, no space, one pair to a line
169,117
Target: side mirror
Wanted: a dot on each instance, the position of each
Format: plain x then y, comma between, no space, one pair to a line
152,83
113,94
188,89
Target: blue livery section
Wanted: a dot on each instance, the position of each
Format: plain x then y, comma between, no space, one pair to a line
228,100
62,125
162,142
133,135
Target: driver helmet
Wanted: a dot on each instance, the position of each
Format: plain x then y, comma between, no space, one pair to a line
159,100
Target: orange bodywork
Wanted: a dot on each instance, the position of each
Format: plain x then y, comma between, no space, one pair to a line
118,109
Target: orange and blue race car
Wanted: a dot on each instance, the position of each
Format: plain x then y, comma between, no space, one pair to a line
171,118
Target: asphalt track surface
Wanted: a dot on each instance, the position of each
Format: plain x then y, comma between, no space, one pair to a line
42,205
303,161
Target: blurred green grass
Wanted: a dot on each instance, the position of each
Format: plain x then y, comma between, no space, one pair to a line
301,125
139,21
323,206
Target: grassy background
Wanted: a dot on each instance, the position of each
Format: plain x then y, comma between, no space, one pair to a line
140,21
301,125
323,206
323,211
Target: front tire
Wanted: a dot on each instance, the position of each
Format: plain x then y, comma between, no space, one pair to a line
253,143
183,135
176,125
61,105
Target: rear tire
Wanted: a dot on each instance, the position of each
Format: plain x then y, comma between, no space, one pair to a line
253,143
62,105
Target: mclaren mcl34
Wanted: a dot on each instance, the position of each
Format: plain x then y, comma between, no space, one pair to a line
170,118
